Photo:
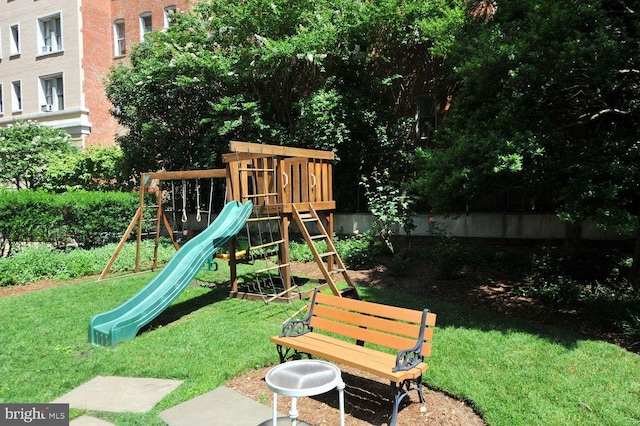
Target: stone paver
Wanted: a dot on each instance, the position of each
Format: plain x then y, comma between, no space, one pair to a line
220,407
119,394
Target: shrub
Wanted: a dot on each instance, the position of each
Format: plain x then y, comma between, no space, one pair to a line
631,329
30,216
36,263
96,168
300,252
89,218
95,218
357,252
449,259
594,282
360,251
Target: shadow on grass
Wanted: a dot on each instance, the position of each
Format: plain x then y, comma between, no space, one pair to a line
459,316
449,315
179,310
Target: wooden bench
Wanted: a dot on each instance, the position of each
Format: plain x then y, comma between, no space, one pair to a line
387,341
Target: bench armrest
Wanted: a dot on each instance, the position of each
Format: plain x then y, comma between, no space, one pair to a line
409,358
295,328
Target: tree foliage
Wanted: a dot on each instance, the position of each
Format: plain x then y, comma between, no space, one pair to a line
26,148
338,75
546,107
545,104
94,168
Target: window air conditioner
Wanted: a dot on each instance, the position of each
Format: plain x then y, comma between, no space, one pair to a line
47,108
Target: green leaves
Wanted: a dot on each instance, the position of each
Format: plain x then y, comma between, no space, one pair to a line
88,218
543,112
338,75
390,205
26,148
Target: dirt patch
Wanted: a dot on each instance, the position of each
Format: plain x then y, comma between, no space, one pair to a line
6,291
368,401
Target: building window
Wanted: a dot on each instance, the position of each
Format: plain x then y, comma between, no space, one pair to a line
168,11
51,93
14,39
120,48
1,101
426,118
16,96
145,24
50,34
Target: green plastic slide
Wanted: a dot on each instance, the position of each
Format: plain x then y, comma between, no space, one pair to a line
124,322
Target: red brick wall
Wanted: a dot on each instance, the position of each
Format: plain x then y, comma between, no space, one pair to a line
130,11
97,59
98,37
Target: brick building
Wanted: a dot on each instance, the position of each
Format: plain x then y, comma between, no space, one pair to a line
54,55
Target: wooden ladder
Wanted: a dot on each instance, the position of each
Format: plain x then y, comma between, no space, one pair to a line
311,217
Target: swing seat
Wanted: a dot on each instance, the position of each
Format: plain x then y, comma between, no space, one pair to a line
226,256
242,243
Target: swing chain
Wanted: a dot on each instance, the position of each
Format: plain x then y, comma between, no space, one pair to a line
185,218
198,216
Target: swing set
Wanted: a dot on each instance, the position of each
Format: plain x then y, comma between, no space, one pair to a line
286,186
151,183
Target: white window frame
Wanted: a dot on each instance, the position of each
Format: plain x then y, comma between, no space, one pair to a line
50,34
144,29
51,92
16,96
14,39
167,15
119,38
1,100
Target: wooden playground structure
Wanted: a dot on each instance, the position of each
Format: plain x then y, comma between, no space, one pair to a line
285,185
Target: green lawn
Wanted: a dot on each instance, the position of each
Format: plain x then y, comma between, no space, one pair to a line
516,373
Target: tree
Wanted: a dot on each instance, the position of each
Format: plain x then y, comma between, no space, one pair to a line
340,75
95,168
545,105
26,148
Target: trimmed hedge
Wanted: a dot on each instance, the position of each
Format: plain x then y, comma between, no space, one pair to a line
89,218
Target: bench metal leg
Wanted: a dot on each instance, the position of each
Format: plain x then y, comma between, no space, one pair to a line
400,391
287,353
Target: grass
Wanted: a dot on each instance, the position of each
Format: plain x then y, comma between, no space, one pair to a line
514,372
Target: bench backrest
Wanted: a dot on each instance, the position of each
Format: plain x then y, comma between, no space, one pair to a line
377,324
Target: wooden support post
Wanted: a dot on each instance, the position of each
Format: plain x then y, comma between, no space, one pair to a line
283,253
159,216
167,225
123,240
140,222
233,265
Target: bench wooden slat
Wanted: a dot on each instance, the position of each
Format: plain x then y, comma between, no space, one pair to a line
386,311
369,360
376,361
367,321
357,333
